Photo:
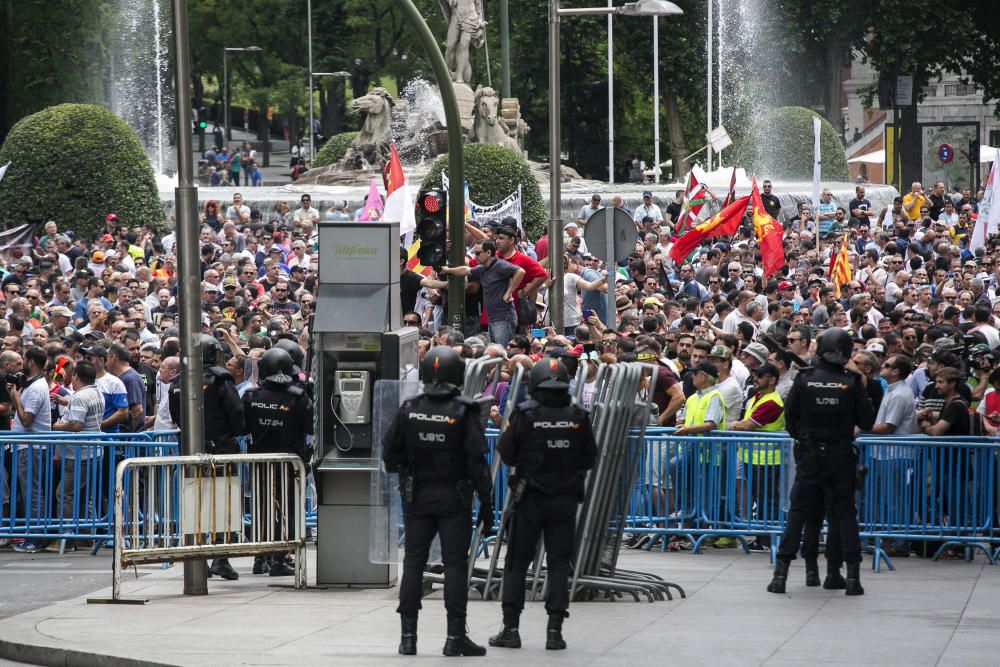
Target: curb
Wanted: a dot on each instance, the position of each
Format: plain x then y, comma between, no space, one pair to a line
52,656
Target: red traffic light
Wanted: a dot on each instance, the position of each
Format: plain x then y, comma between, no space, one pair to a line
432,202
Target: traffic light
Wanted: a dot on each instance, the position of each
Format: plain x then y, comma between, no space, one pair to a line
432,207
202,125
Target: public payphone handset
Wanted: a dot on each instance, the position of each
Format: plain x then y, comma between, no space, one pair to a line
350,402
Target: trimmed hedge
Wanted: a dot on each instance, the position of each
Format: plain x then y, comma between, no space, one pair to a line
493,173
75,163
334,149
780,145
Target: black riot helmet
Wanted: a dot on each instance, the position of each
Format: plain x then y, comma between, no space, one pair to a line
275,367
443,368
550,374
294,351
211,351
834,346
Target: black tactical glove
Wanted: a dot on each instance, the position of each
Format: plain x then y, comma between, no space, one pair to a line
486,519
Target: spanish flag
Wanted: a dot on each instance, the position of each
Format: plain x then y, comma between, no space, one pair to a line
768,234
840,267
725,223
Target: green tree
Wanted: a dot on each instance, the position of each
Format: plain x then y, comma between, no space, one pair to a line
779,145
75,163
493,173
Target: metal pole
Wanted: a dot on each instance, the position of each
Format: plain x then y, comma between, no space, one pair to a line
309,38
225,92
456,160
192,417
721,40
555,169
505,47
656,99
708,109
611,98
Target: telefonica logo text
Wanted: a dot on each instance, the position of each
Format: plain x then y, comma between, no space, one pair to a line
355,251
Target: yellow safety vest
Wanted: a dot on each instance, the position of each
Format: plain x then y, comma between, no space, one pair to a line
694,413
765,453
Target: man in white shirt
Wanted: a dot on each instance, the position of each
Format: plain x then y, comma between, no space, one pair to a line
305,212
647,209
168,371
238,212
32,414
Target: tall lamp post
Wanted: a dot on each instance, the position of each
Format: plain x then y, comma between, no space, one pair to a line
639,8
340,75
225,80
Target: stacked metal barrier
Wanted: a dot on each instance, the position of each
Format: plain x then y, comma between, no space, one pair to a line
618,416
174,508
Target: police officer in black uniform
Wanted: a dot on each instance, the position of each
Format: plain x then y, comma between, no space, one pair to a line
824,406
223,418
438,447
279,418
551,444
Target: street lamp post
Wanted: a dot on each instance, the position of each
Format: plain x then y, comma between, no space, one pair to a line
225,80
340,75
639,8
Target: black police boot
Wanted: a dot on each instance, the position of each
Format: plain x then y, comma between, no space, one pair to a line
261,565
221,568
853,583
280,567
408,635
509,637
812,573
777,584
834,579
553,636
458,643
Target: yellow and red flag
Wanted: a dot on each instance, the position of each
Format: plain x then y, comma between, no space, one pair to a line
840,267
724,223
769,234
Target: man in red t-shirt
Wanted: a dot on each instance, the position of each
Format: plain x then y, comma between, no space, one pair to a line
534,274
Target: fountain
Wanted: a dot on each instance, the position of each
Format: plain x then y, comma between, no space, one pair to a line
141,90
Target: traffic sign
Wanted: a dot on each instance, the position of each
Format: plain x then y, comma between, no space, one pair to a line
620,235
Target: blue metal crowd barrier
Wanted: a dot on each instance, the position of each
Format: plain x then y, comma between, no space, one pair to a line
61,486
733,484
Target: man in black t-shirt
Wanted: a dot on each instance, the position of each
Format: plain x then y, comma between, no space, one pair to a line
675,208
771,203
860,208
953,415
409,283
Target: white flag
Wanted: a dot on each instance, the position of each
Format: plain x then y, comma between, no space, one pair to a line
989,212
3,170
817,161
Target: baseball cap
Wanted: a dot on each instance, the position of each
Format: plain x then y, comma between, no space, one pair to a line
647,193
722,352
758,351
97,257
83,273
708,368
209,287
108,238
62,311
230,282
95,350
877,348
571,225
111,217
652,301
784,284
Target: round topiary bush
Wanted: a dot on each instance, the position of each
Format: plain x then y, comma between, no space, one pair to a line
493,173
75,163
334,149
780,145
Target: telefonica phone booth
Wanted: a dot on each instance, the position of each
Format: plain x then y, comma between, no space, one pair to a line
358,341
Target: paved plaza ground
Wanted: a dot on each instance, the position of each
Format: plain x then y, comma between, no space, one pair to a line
925,613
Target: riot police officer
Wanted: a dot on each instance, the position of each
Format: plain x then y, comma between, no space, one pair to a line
279,418
223,418
551,444
438,447
826,402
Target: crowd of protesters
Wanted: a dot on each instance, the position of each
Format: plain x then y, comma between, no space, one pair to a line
96,318
921,306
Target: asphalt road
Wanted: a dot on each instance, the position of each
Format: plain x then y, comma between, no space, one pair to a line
30,581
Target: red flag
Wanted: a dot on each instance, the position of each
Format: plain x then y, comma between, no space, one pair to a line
695,198
731,197
840,267
768,234
725,223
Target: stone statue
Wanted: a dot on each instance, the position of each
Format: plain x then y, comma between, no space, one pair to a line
488,127
466,30
372,142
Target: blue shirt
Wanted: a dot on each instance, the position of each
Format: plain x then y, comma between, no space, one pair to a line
595,300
